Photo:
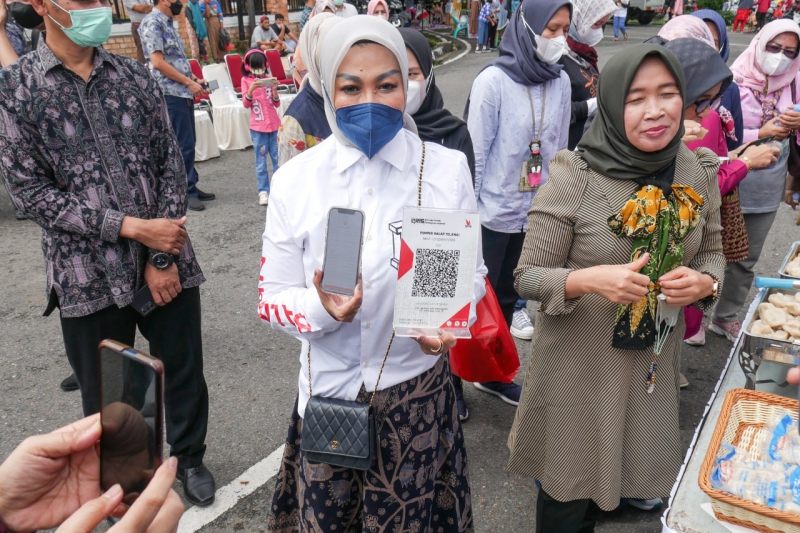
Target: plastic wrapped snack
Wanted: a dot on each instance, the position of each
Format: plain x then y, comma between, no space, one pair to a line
784,441
793,269
772,483
779,335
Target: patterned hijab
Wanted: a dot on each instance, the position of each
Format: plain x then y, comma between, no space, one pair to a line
691,27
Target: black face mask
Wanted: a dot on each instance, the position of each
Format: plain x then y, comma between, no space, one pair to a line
176,8
25,15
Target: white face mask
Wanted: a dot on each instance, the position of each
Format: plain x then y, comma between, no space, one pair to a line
773,64
547,50
592,36
383,16
417,91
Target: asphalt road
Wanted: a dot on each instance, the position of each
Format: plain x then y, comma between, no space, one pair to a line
252,370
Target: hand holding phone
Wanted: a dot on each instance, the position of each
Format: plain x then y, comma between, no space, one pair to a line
132,420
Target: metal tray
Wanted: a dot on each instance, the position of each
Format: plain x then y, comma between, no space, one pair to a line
766,349
791,255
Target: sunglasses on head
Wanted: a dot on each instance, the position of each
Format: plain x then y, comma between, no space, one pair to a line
708,103
791,53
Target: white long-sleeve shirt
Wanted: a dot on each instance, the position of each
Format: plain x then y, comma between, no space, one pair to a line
502,128
345,355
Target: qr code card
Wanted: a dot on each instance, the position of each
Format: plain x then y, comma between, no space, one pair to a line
438,252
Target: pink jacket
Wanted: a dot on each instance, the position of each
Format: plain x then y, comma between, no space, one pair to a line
263,108
729,174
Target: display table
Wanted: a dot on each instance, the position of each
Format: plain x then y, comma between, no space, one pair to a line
684,514
286,99
206,146
232,126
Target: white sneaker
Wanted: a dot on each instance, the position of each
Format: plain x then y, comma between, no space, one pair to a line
521,326
263,198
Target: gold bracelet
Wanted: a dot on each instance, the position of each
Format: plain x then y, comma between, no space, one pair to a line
748,163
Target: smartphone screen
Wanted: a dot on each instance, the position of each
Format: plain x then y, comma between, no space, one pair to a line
342,250
131,447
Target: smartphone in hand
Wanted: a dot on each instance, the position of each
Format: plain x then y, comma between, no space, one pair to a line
132,419
343,241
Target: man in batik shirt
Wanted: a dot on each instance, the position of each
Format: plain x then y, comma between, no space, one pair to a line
87,153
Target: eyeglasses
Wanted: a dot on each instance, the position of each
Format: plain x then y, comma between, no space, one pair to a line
708,103
791,53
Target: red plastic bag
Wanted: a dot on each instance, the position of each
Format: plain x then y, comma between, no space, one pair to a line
491,354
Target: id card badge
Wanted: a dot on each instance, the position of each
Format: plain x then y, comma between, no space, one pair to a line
531,174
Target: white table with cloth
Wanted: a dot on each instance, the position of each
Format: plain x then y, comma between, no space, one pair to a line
286,99
206,145
689,507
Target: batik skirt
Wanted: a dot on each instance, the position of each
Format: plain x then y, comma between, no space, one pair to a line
419,482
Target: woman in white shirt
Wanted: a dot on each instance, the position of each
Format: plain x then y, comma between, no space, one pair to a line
518,117
370,163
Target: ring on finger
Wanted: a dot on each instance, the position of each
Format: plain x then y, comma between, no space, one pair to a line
440,349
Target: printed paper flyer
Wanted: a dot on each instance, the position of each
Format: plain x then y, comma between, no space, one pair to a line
438,249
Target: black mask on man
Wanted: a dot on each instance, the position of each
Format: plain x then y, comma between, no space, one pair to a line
25,15
176,8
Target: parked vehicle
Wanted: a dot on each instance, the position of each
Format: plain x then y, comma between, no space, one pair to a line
644,11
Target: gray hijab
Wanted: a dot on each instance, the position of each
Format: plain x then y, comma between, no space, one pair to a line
518,47
337,44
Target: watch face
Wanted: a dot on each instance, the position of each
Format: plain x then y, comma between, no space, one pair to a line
161,261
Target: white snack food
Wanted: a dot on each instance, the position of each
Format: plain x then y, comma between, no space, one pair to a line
793,308
772,316
792,328
780,300
793,269
760,328
779,335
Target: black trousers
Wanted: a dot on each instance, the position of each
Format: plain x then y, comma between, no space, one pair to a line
501,253
553,516
761,19
492,35
174,334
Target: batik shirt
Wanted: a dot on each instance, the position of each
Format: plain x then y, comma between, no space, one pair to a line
159,35
80,156
17,37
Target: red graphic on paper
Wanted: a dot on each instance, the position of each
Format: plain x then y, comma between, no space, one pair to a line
406,259
458,320
468,224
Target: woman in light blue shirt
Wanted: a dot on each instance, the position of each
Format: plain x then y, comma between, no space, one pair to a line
518,118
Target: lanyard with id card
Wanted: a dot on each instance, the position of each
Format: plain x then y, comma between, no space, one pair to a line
531,173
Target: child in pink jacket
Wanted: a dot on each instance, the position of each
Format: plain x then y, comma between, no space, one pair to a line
259,95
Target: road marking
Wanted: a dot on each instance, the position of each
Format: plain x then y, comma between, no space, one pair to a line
467,48
229,495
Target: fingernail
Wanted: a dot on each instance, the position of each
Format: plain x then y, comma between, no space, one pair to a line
418,339
113,492
440,331
172,463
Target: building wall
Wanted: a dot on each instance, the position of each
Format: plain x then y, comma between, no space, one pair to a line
123,44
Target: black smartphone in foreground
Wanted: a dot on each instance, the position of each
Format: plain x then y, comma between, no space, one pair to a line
131,416
342,251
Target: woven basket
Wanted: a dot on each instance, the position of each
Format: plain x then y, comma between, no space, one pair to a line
741,422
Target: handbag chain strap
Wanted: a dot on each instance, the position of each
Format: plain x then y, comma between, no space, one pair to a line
391,338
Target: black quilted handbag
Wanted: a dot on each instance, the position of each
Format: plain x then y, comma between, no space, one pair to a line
342,432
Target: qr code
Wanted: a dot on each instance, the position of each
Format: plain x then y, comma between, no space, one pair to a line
435,274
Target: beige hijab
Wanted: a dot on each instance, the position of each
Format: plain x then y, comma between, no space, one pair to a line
337,44
310,38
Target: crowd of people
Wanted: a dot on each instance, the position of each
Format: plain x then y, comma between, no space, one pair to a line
596,194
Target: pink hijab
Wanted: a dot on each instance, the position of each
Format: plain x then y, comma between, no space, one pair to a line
687,27
373,5
746,70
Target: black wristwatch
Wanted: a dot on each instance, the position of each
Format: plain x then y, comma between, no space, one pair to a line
160,260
